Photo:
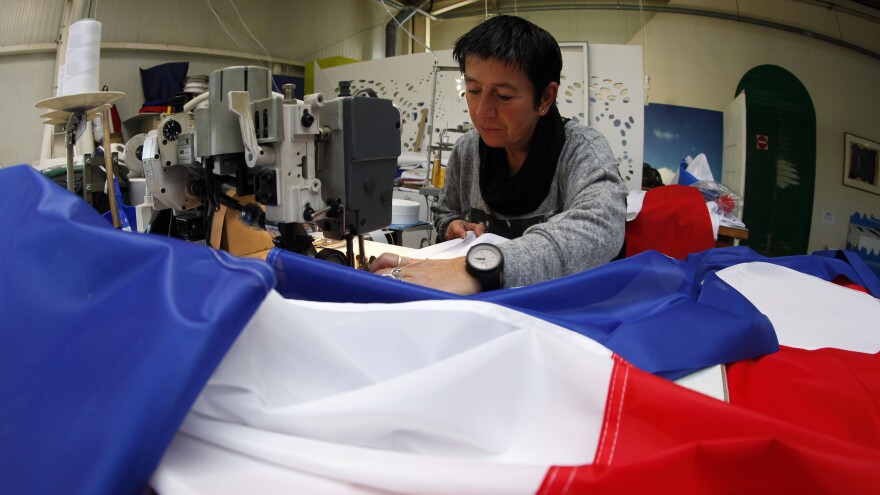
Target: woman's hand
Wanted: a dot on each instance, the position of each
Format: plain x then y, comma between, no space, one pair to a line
447,275
458,229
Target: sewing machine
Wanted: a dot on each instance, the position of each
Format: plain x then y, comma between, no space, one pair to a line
330,162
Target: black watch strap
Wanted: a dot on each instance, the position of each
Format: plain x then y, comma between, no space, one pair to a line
493,282
490,278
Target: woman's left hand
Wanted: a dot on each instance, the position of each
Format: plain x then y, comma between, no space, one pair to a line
447,275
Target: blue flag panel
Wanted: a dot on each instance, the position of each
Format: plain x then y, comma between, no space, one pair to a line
106,339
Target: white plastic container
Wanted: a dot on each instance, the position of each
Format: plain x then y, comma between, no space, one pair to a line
404,212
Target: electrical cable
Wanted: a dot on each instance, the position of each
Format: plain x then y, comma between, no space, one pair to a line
427,209
210,202
235,39
191,104
347,37
251,34
208,226
429,200
257,41
839,31
223,26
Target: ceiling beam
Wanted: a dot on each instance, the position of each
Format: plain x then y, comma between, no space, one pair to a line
453,7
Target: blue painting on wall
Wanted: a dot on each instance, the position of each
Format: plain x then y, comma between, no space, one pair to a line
673,133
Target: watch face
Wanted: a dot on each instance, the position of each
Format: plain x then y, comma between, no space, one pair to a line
485,257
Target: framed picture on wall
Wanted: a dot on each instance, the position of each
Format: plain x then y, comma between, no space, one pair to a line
861,164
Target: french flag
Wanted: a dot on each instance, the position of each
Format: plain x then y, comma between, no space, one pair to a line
129,360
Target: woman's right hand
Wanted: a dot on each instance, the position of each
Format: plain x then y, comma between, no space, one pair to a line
458,229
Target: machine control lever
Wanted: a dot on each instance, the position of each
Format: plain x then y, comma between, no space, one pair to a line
334,209
240,104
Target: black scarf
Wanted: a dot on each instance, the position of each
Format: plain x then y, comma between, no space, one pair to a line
524,191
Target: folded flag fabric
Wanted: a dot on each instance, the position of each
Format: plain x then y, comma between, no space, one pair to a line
106,339
422,397
652,310
673,220
459,396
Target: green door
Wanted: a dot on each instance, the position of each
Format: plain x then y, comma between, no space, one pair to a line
780,161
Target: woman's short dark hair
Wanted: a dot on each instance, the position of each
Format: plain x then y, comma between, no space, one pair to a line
517,43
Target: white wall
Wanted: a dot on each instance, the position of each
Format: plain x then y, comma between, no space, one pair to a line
21,78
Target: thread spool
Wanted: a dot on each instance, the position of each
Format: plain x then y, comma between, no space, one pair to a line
83,57
195,85
435,171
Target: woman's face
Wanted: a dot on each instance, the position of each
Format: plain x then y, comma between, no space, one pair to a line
501,101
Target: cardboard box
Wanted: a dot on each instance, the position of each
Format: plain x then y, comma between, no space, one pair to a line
228,233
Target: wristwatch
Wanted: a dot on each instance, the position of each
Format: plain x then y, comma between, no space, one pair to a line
486,264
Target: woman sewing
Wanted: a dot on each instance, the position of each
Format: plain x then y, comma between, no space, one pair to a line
549,184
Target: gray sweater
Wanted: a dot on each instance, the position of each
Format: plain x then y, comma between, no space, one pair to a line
579,225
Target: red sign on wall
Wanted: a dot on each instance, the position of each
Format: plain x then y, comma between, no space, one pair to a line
762,142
